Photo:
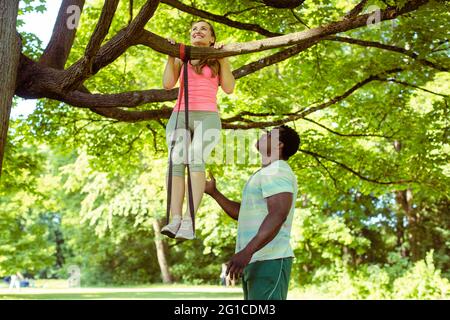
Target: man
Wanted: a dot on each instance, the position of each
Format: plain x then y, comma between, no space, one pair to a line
263,253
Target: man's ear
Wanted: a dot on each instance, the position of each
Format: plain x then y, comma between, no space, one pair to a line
280,145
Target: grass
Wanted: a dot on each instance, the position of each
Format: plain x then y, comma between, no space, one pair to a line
58,290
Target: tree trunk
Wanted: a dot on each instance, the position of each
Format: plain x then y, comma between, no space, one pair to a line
400,231
161,251
400,228
404,201
10,47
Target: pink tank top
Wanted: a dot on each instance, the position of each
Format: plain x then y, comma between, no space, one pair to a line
202,90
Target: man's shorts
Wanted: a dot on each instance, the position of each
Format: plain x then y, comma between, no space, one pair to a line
267,279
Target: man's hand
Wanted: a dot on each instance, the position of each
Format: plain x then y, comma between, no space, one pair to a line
235,267
210,185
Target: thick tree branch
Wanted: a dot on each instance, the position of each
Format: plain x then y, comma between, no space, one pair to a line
133,116
136,98
57,51
162,45
127,99
229,123
83,71
77,73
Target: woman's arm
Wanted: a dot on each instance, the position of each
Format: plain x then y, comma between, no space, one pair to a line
171,72
227,80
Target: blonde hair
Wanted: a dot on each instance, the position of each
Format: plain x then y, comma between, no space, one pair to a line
213,64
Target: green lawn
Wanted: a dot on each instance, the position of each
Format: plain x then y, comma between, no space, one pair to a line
58,290
92,295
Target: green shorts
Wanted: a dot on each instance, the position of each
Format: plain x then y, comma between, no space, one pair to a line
267,279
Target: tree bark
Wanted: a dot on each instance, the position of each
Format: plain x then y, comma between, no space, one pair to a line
10,47
161,251
404,200
57,51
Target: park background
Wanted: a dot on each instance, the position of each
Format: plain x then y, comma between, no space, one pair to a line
373,214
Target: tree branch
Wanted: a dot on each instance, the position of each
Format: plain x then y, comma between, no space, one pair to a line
272,59
107,53
359,175
229,13
147,11
57,51
228,123
77,74
328,171
299,19
304,112
219,18
161,45
349,134
356,10
136,98
408,53
131,5
406,84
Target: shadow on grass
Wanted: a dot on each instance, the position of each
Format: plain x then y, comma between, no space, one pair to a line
125,295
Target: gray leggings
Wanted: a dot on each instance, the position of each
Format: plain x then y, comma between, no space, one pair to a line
203,136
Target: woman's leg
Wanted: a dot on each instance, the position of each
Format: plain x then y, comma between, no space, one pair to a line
176,206
198,181
178,181
205,136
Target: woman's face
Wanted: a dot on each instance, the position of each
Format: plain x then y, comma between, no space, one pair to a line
201,35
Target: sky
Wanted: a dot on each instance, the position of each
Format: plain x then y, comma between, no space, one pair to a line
41,24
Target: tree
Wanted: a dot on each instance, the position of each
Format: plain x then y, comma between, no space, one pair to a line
370,104
49,78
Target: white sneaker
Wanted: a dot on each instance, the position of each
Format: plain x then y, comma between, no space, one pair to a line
171,229
186,230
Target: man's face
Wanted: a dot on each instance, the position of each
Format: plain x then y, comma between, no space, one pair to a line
268,142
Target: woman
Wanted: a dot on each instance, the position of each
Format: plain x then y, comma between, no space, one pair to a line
204,78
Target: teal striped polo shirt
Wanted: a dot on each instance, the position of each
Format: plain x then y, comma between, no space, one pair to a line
275,178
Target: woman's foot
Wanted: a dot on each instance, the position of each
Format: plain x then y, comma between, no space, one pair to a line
171,229
186,231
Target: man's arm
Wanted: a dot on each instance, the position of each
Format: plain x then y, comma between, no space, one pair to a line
230,207
278,207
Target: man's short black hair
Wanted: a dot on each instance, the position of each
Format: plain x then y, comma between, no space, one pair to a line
290,139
